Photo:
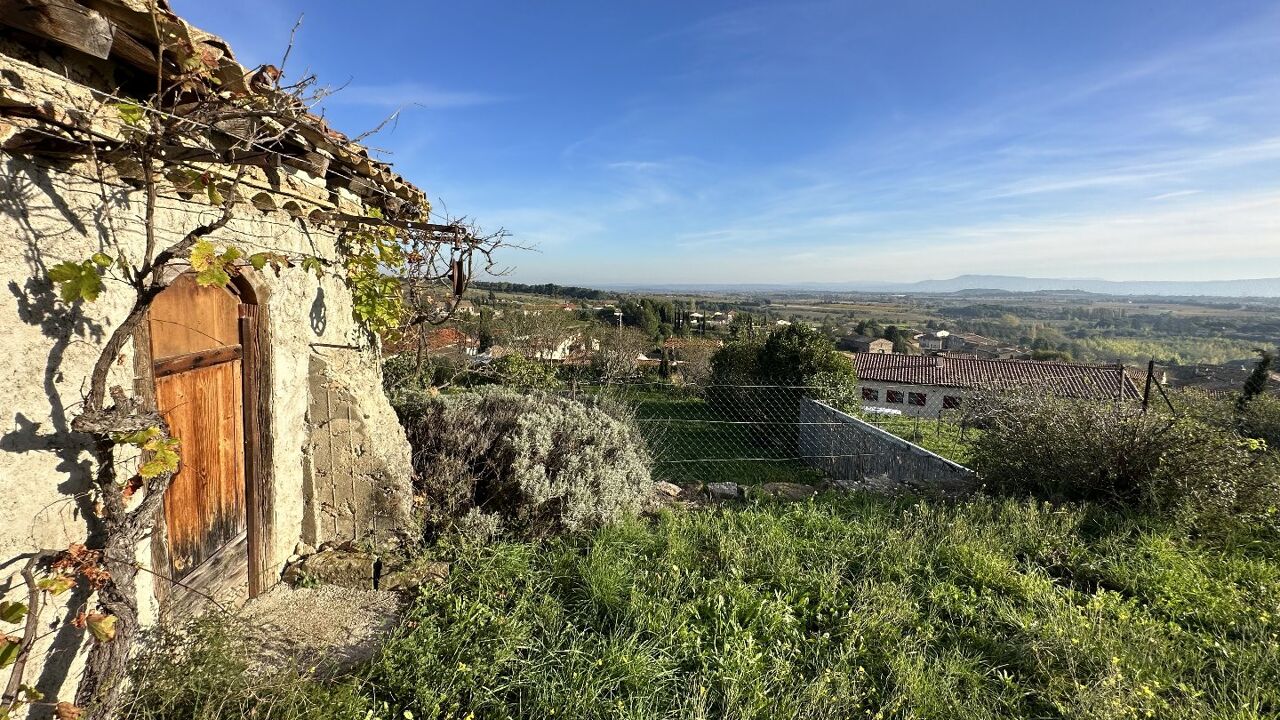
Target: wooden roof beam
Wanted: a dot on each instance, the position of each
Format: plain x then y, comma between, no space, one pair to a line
62,21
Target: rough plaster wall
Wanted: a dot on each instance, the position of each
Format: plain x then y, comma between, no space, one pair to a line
47,216
335,360
356,473
933,399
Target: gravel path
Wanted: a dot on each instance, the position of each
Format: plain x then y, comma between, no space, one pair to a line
324,630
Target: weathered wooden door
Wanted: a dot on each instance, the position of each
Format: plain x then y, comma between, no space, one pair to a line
198,361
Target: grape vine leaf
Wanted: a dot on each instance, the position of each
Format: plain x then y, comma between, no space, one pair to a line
77,281
213,267
102,626
12,612
10,648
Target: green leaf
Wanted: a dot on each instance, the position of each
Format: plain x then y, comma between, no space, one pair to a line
259,260
102,260
77,281
313,264
215,197
102,626
202,255
10,648
213,277
164,458
213,267
138,438
56,584
12,612
131,113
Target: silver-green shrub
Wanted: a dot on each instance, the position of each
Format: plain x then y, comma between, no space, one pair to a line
540,463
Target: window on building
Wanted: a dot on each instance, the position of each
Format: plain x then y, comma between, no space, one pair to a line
950,402
917,399
893,396
871,394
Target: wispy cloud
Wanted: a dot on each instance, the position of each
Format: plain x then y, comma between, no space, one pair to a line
1174,194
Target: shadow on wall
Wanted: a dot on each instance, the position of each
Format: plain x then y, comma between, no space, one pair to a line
319,313
30,200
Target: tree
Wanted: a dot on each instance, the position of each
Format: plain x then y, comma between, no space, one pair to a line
1256,383
618,351
737,363
794,354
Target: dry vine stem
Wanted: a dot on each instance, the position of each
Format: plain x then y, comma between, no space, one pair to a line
205,126
199,132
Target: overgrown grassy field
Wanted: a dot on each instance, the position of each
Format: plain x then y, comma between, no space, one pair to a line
841,607
690,442
943,437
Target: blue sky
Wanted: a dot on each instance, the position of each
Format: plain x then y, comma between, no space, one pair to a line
658,141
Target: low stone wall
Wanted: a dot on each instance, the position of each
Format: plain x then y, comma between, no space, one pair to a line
855,454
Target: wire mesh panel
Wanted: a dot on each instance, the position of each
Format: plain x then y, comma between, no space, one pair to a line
742,434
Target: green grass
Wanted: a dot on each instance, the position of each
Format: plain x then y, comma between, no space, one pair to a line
852,607
844,607
947,439
688,444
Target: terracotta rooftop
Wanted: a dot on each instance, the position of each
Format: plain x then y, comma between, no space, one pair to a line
1100,382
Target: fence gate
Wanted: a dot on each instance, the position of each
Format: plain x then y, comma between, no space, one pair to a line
197,351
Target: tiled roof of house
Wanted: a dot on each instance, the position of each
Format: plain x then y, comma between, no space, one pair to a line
449,337
1101,382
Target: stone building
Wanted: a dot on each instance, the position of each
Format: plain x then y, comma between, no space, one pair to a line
270,383
934,385
866,344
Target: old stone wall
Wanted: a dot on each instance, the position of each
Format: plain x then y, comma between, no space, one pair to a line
857,454
335,439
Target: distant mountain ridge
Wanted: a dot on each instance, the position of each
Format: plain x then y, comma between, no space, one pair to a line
1258,287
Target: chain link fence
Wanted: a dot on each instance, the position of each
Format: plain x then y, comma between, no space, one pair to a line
742,434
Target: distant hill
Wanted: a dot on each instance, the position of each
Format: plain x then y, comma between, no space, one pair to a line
998,284
1261,287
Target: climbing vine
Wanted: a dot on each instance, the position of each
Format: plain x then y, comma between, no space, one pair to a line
372,262
175,140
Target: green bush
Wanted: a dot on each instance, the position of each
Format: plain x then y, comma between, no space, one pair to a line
1066,449
540,463
764,382
795,355
519,371
737,363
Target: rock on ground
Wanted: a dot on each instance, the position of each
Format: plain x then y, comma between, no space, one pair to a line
724,490
414,576
664,489
325,630
348,568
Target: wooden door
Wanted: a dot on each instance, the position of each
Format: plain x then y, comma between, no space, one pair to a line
197,355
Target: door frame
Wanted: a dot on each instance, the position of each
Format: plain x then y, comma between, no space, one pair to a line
256,376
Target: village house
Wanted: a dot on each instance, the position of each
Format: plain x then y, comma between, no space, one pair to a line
720,319
866,344
452,339
970,343
933,385
268,381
